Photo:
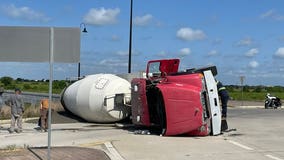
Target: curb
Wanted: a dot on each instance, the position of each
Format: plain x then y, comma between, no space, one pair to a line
8,121
251,106
248,107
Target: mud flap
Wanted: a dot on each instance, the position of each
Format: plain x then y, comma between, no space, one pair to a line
213,102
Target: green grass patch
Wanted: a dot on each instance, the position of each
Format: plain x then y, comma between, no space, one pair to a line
253,96
33,86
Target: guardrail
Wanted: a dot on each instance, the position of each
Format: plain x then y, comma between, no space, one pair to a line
32,97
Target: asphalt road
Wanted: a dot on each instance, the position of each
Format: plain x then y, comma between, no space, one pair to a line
259,131
259,136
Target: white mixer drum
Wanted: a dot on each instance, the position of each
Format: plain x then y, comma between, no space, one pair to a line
99,98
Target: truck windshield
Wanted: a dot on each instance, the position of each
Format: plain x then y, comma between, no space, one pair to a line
160,68
154,69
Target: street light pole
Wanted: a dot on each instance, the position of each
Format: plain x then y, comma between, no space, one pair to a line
130,38
79,64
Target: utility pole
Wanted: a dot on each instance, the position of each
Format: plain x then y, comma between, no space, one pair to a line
130,38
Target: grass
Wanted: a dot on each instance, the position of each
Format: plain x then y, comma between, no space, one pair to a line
253,96
39,87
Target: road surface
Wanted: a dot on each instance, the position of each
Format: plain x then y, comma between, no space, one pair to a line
259,136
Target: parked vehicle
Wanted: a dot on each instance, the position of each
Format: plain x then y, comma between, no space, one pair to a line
272,102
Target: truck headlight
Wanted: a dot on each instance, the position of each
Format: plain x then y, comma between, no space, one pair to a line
135,88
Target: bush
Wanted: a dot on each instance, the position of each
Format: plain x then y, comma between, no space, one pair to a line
27,87
6,81
59,84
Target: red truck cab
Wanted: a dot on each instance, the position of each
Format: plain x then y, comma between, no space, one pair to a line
176,102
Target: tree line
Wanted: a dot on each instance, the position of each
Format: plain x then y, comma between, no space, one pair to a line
8,83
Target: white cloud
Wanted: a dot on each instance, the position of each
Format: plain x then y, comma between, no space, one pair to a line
189,34
217,41
272,14
162,54
280,52
126,53
101,16
122,53
252,52
185,52
212,53
113,62
24,13
253,64
268,13
245,42
115,38
143,20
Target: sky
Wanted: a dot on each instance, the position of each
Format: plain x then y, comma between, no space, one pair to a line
242,38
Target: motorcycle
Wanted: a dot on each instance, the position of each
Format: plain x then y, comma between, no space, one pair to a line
272,102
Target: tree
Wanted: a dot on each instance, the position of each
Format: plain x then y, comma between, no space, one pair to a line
59,84
19,79
6,81
258,89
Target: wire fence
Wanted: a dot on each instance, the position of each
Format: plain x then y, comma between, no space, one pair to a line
31,97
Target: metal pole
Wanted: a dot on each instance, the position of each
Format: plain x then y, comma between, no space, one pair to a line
79,65
51,59
242,82
130,38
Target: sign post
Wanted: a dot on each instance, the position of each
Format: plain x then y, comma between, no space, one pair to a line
51,59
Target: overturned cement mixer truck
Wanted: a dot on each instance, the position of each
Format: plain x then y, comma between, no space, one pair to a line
175,102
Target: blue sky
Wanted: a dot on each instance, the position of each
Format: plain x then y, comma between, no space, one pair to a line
242,38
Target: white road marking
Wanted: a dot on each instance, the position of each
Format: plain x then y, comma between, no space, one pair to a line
114,155
273,157
248,148
240,145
